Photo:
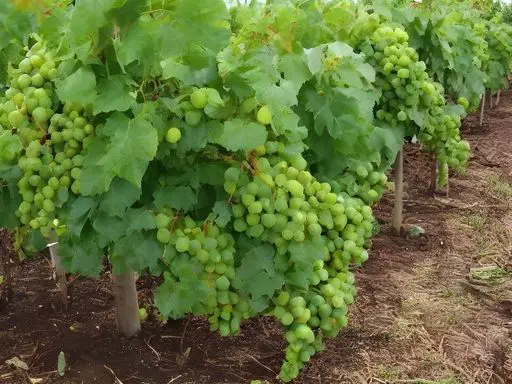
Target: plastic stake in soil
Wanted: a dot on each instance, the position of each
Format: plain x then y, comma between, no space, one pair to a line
127,305
59,274
399,192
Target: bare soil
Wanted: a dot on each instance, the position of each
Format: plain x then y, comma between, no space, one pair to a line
434,309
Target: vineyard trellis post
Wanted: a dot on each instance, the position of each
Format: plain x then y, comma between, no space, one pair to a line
127,304
482,106
5,258
59,273
399,192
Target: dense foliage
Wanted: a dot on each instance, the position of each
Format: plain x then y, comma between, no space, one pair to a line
234,152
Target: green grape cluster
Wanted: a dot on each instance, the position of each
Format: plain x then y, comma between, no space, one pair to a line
70,133
363,180
326,309
283,204
408,92
52,169
30,100
215,252
402,76
441,134
198,104
51,160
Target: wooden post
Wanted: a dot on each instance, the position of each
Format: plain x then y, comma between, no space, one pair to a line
5,258
127,304
443,172
433,174
482,106
59,274
399,192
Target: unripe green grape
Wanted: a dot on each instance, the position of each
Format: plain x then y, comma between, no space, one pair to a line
48,192
48,205
264,115
247,199
287,319
229,187
15,118
67,164
239,225
40,115
255,207
162,221
65,181
210,244
193,118
182,244
75,187
268,220
287,234
173,135
76,173
199,98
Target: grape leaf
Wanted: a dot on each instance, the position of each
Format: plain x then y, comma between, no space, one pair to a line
203,26
80,211
10,147
86,20
172,68
80,87
81,254
177,297
113,94
302,256
14,24
138,220
10,197
95,179
34,242
256,274
133,143
194,138
221,209
212,174
181,198
109,229
137,251
121,195
140,44
241,135
306,252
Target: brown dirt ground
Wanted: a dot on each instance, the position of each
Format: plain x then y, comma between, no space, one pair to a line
430,310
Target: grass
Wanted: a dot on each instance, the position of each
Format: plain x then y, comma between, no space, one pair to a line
498,186
474,221
390,374
490,274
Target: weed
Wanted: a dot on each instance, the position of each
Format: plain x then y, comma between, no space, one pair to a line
498,186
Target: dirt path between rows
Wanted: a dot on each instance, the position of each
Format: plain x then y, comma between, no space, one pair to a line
435,309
